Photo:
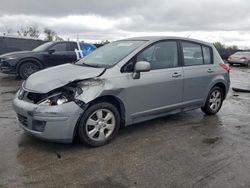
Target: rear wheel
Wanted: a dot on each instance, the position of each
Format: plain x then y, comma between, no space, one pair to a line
99,124
214,101
28,68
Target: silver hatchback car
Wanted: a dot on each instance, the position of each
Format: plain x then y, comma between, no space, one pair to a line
122,83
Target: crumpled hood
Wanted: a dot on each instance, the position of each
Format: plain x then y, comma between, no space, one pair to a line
55,77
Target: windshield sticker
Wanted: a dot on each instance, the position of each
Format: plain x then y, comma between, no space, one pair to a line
125,44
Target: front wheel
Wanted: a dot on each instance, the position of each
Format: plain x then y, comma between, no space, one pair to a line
99,124
27,68
214,101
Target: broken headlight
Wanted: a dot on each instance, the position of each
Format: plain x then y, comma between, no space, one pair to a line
62,97
56,99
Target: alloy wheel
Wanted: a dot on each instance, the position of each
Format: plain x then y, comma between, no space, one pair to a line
100,124
215,100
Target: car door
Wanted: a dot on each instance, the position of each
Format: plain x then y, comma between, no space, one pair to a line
199,71
60,53
160,89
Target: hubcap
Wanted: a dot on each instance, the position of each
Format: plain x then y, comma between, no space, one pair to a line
215,100
29,69
100,124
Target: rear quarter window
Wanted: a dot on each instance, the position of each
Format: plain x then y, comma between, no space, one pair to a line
196,54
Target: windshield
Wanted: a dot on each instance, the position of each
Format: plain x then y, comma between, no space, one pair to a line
42,47
110,54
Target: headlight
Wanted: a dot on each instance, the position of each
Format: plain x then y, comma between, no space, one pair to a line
56,99
20,93
62,96
9,58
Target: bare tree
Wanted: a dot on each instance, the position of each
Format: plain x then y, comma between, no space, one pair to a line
57,38
50,34
34,31
8,30
31,31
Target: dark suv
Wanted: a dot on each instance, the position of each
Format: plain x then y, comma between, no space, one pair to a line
25,63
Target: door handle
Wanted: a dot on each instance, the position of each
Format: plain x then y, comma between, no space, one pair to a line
210,71
176,74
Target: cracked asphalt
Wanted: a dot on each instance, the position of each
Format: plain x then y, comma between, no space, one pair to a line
182,150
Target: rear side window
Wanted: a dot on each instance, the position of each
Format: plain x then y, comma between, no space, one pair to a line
192,54
207,55
196,54
160,55
72,46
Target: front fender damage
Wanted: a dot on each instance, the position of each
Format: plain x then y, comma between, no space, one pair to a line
98,87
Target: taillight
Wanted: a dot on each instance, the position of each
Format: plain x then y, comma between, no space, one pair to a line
243,58
226,67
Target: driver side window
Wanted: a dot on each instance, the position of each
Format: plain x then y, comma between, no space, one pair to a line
60,47
160,55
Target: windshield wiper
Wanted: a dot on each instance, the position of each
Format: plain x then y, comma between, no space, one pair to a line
89,65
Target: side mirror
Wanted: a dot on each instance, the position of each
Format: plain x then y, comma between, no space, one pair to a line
51,51
140,66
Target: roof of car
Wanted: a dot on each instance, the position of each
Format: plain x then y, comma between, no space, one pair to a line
157,38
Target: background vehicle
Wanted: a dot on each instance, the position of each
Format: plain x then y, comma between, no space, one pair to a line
242,58
25,63
225,53
122,83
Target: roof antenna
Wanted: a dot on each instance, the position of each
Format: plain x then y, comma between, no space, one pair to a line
189,36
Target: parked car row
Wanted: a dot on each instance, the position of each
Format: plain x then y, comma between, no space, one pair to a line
242,58
225,53
122,83
25,63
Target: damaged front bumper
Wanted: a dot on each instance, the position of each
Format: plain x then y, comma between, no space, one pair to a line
55,123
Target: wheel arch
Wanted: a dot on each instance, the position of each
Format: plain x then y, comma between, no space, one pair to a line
28,59
223,88
115,101
107,98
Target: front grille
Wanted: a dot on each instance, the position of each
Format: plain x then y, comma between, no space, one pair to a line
23,120
4,64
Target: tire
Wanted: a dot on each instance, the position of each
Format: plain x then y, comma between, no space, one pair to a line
28,68
214,101
93,129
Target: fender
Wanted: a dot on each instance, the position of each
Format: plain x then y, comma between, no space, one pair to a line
219,79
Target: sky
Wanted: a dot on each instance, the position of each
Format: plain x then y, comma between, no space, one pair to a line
226,21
